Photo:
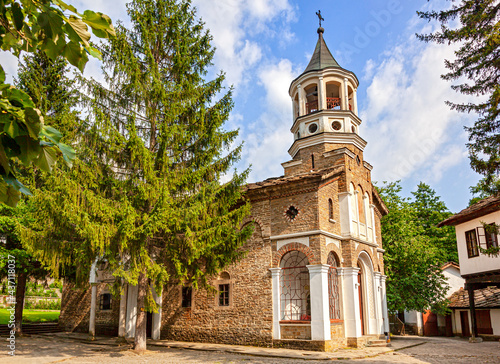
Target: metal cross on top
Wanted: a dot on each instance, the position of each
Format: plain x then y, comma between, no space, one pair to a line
318,13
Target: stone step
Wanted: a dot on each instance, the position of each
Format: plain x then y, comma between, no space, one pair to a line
377,343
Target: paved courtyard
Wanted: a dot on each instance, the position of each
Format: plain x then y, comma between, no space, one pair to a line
65,349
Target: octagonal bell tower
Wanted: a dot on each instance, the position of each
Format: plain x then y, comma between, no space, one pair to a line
325,111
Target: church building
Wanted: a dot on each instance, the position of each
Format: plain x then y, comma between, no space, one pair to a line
313,277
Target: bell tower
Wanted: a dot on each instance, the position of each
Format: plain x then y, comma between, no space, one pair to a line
325,112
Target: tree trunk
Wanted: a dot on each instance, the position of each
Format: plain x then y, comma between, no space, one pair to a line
20,290
140,327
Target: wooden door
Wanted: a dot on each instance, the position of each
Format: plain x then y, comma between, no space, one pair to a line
149,324
360,293
449,327
483,320
464,321
430,324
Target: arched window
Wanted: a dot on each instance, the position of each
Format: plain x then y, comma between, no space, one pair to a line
361,206
330,209
294,282
333,287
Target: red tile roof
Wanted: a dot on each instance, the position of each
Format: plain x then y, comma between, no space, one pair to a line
481,208
483,298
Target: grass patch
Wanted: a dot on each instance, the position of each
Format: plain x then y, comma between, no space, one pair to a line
30,316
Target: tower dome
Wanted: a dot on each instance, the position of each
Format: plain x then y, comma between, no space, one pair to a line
325,108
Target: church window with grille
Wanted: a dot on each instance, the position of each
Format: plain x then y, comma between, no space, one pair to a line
333,287
295,296
330,209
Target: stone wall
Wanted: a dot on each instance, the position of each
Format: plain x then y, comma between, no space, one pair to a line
299,331
248,318
75,310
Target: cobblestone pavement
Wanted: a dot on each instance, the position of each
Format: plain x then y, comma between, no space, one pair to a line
43,349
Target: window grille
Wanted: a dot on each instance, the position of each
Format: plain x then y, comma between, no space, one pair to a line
491,238
187,295
105,301
224,294
333,288
295,291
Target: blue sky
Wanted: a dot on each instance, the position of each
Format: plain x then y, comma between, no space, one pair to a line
262,45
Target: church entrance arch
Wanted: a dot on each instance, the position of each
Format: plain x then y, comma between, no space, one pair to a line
294,287
366,294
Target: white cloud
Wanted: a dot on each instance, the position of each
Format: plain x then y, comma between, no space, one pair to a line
406,107
269,137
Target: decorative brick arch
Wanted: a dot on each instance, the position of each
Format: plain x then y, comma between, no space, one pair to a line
333,248
294,246
361,249
258,221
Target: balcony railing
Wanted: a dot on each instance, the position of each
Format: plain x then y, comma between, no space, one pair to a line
332,103
312,106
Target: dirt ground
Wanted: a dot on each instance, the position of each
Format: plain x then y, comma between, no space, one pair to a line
43,349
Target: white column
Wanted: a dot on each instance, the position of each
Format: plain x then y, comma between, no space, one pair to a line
343,97
384,304
346,93
123,311
372,217
320,315
321,94
93,301
345,213
131,311
302,104
378,303
356,231
352,319
155,335
275,274
355,102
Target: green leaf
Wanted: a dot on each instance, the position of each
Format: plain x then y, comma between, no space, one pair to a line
73,52
54,49
4,161
12,128
68,153
80,29
33,121
94,52
52,134
47,157
97,20
65,6
18,97
9,195
2,74
14,182
18,16
30,149
51,23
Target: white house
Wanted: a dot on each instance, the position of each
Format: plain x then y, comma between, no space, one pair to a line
479,270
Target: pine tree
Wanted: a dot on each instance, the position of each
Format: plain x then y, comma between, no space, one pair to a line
477,59
145,193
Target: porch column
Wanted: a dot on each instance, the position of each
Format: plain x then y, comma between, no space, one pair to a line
352,318
384,304
123,311
378,303
320,315
472,306
131,311
155,335
93,301
275,274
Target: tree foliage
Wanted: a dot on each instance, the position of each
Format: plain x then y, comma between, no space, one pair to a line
413,248
477,59
57,29
145,191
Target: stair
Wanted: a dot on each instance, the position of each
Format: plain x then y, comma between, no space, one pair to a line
377,344
41,328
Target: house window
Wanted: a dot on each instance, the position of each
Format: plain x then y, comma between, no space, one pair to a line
491,237
187,296
105,301
330,209
224,294
471,241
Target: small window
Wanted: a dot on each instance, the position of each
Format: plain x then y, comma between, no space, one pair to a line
358,161
187,295
313,128
291,213
491,237
224,294
471,241
312,161
353,129
330,209
336,125
105,301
